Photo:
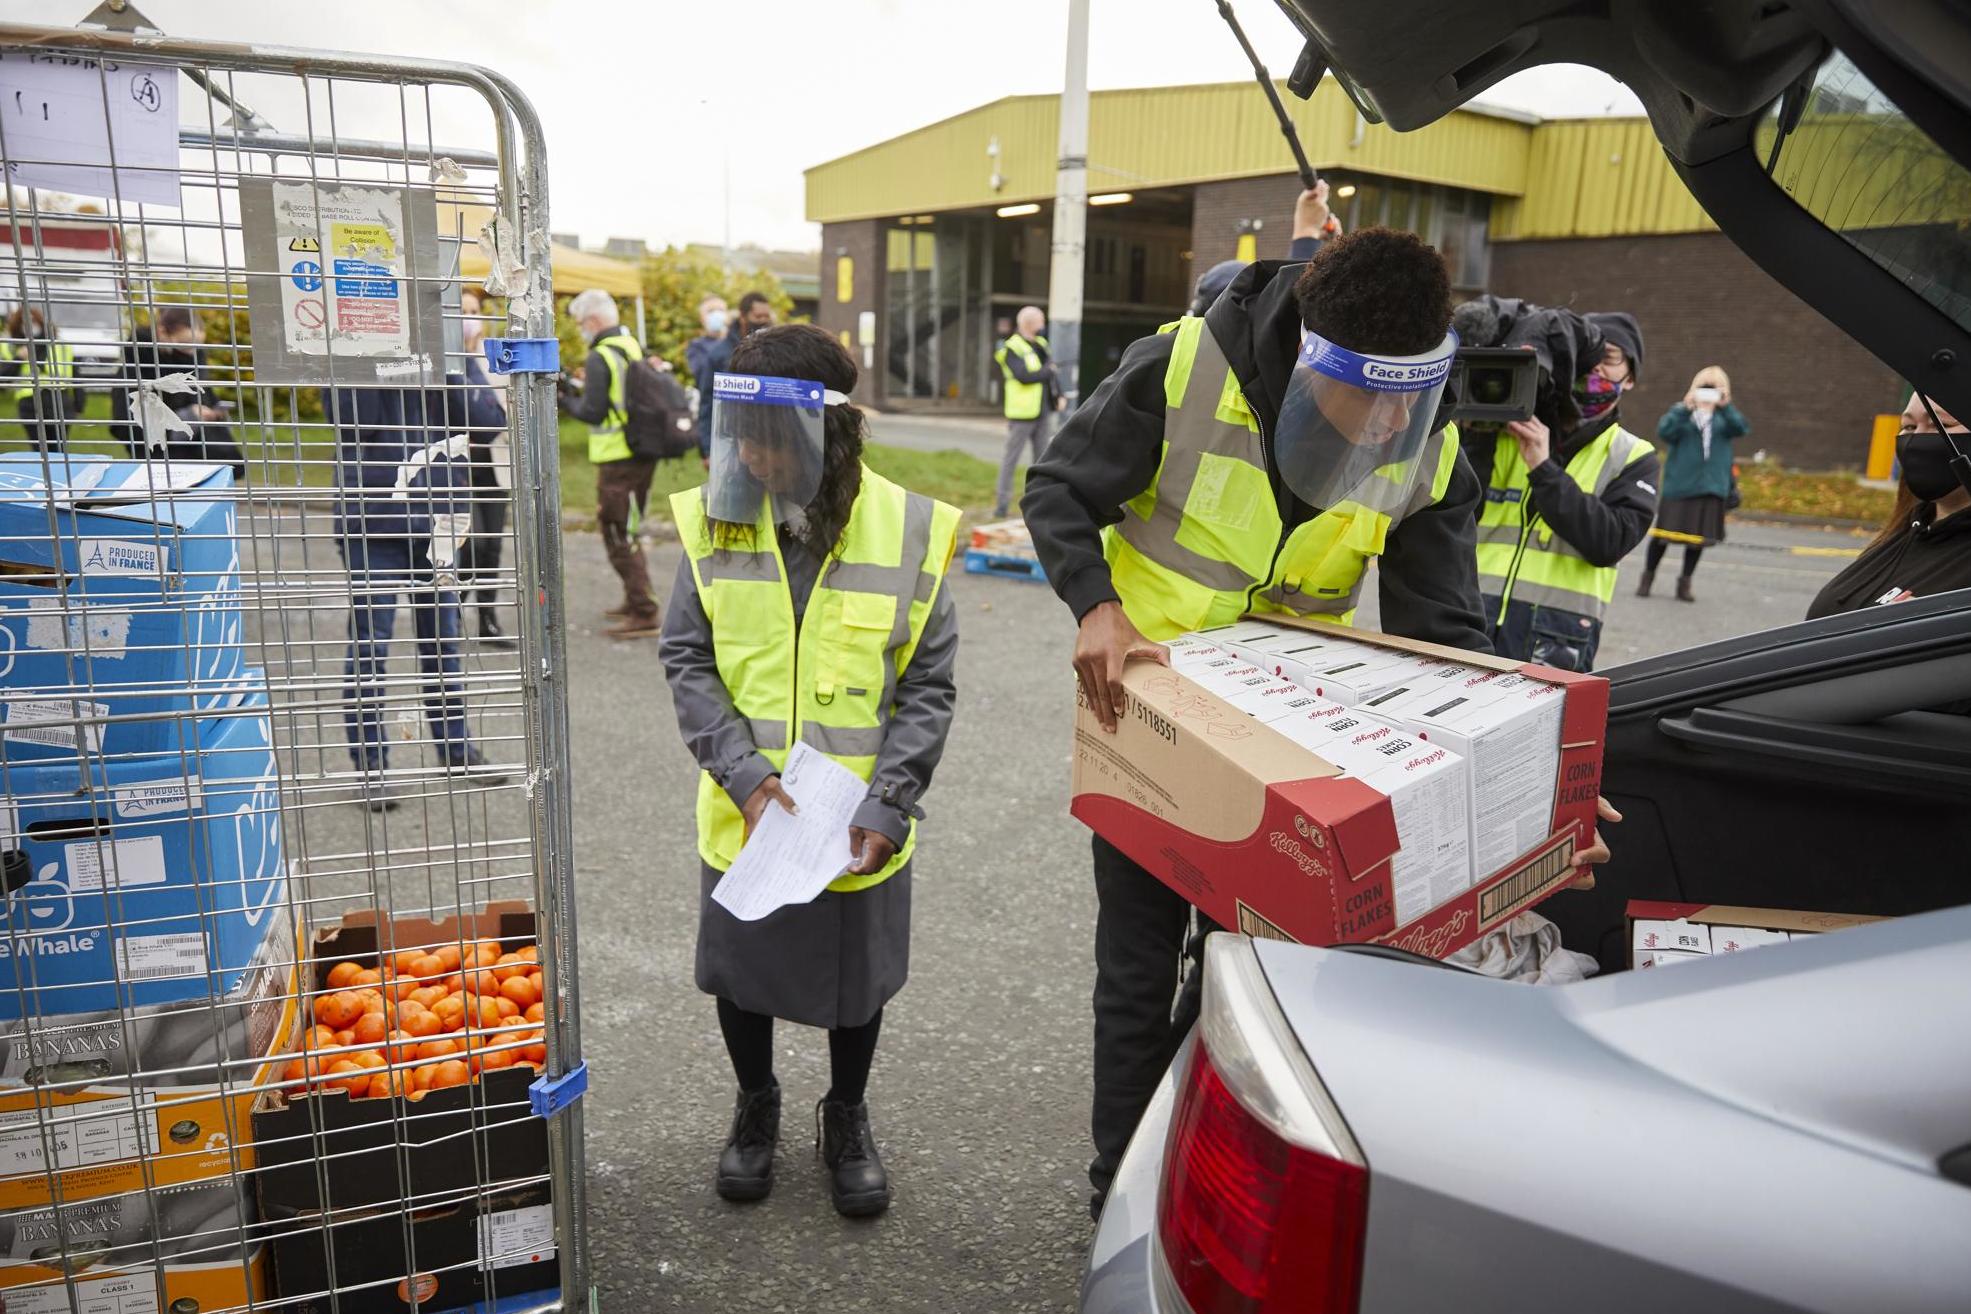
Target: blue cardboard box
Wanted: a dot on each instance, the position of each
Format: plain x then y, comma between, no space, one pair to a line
119,603
154,880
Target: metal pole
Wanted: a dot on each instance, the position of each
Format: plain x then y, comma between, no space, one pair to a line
1064,276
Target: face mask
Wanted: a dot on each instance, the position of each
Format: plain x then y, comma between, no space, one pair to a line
715,322
1595,395
1926,459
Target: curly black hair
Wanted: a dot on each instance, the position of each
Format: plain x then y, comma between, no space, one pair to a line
1379,291
803,351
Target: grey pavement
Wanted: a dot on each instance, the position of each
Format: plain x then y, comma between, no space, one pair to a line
983,436
981,1085
979,1096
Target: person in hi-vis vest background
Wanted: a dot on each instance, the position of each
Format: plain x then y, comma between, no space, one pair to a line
1032,394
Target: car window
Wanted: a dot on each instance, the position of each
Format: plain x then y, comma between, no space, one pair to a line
1859,165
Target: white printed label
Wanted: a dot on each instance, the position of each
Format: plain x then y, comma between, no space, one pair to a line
125,1293
517,1236
119,556
156,800
160,957
77,1142
95,865
28,722
56,626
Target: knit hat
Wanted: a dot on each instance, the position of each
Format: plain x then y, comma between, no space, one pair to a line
1620,328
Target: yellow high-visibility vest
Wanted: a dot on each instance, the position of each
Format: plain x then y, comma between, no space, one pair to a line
1205,543
1520,558
1024,401
55,369
832,686
607,441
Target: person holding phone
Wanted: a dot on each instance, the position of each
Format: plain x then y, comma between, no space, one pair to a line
1697,478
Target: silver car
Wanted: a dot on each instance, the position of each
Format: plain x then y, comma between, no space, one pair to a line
1763,1131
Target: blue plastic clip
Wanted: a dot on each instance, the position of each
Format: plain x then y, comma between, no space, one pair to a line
523,355
550,1095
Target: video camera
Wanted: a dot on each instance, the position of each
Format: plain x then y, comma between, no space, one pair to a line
1493,385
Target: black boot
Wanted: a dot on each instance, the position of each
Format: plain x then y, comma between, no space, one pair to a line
1683,589
1643,586
746,1163
856,1180
490,632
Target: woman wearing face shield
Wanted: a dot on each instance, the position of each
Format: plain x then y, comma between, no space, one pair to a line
809,609
1925,547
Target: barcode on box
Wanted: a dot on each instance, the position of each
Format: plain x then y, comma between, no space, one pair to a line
1251,923
510,1238
1544,871
160,957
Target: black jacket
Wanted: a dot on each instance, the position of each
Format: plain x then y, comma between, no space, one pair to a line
1109,450
1929,556
1603,530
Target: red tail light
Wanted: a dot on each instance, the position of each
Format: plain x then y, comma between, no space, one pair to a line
1264,1200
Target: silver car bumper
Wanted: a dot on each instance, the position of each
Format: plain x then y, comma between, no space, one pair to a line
1126,1273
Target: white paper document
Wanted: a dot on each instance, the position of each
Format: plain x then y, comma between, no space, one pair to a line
75,124
791,857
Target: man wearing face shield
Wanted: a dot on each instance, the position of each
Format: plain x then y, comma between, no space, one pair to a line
1257,457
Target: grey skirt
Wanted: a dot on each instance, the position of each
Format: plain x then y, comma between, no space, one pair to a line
830,963
1701,518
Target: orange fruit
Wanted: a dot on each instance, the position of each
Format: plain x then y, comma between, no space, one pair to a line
370,1028
344,1039
479,981
338,1010
295,1073
507,1008
536,1013
373,1000
449,957
317,1037
492,1060
406,961
427,997
522,990
422,1023
509,965
450,1073
383,1085
427,967
528,952
533,1049
369,976
342,975
349,1075
453,984
450,1014
438,1049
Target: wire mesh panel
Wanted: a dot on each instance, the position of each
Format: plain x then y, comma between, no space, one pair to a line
287,986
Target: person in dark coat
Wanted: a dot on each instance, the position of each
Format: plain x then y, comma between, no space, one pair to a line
479,409
1925,547
699,356
401,510
1697,479
172,346
755,312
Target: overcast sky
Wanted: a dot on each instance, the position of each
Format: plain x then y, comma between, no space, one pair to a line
643,101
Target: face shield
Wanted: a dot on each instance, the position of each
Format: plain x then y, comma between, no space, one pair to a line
767,441
1348,418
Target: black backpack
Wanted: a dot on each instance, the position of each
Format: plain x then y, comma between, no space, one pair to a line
659,424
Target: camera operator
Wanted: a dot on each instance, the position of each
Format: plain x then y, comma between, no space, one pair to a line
1569,492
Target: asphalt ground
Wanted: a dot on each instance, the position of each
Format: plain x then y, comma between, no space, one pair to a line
980,1091
979,1097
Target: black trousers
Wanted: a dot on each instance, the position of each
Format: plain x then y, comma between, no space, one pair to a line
1142,936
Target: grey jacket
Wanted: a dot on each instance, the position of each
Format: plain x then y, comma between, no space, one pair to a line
720,739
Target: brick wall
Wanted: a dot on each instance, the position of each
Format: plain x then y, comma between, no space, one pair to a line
1217,208
1808,390
862,241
